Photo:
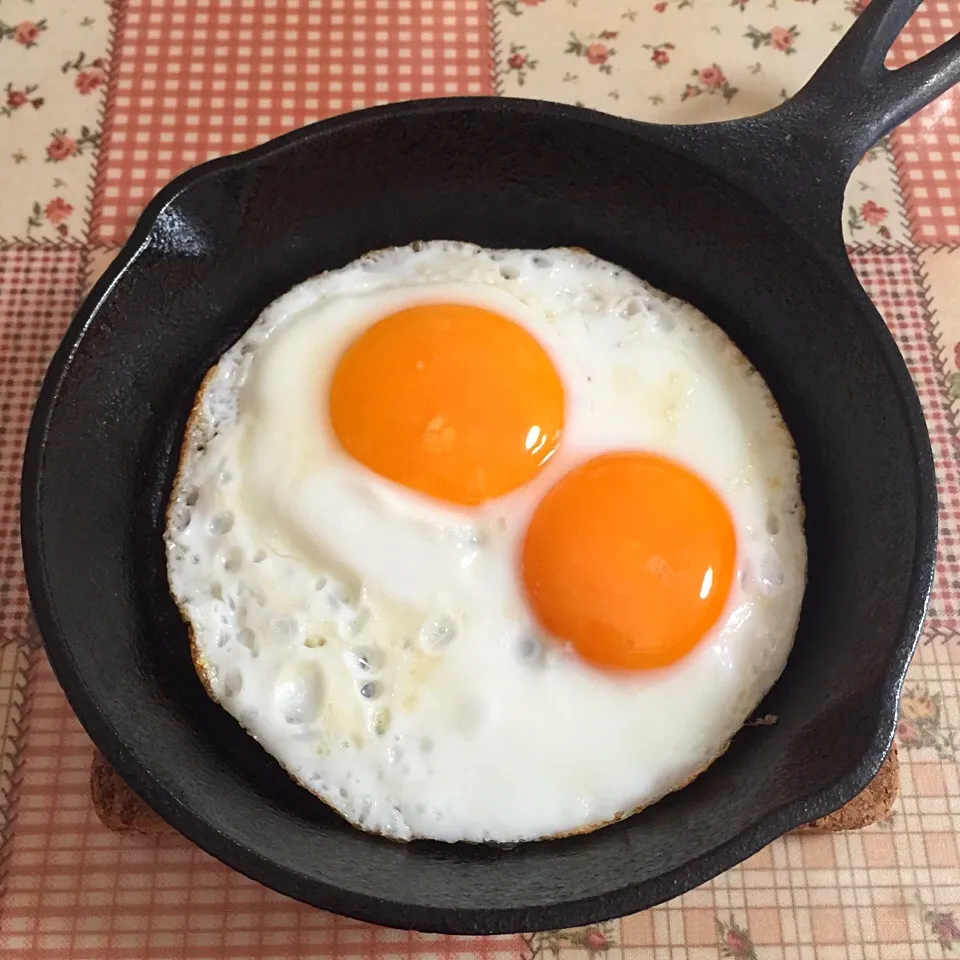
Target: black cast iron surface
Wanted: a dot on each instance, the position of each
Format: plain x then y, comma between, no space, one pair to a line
741,219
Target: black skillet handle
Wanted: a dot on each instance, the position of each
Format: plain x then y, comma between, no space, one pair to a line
798,157
855,99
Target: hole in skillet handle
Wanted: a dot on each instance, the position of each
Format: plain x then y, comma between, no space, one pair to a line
798,157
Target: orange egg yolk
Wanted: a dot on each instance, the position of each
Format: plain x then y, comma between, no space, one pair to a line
452,400
629,558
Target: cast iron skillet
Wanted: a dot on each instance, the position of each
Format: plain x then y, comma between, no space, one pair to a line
740,218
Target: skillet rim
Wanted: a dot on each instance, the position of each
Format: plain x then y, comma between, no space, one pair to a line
631,896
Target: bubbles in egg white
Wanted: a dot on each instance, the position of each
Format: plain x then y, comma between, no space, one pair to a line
377,642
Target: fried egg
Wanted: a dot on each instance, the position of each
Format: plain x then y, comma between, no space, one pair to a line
487,545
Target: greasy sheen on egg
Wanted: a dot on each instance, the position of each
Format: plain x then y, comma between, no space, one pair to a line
381,644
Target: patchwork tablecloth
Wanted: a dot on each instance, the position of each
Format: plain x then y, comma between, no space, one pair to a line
102,102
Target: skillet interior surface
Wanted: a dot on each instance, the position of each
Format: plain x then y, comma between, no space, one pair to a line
222,242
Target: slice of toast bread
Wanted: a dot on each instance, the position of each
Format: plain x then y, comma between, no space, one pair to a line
121,810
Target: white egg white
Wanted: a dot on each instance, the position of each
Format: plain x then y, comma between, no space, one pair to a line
377,643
